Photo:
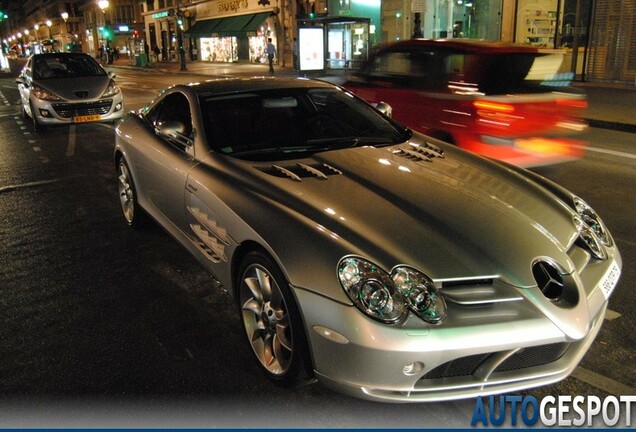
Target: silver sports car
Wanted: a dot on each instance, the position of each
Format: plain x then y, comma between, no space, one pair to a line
386,264
67,88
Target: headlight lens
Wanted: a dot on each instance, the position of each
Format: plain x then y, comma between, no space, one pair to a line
592,220
40,93
588,236
112,90
372,290
421,295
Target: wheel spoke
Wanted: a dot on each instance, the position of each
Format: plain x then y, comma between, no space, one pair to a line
254,306
254,286
281,353
264,281
281,336
268,352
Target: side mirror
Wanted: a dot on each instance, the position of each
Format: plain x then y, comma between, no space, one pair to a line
385,109
112,75
20,80
174,131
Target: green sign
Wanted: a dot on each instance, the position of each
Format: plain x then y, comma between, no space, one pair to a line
160,14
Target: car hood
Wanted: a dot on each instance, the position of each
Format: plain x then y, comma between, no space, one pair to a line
76,88
455,216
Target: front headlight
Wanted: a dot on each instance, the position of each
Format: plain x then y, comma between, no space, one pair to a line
421,294
372,290
112,90
592,220
588,236
42,94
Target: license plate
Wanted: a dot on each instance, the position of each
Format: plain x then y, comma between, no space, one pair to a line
609,281
86,118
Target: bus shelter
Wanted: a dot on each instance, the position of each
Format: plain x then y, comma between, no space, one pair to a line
332,43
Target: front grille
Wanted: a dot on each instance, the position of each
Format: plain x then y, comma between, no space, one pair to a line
534,356
463,366
525,358
68,110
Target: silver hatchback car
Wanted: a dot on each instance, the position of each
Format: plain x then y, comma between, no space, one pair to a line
68,88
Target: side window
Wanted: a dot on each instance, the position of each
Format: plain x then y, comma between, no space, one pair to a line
410,69
174,107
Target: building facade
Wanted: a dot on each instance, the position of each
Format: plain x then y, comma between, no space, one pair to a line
597,36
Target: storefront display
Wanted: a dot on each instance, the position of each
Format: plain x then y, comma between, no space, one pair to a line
219,49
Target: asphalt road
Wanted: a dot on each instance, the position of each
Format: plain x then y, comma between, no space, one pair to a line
106,327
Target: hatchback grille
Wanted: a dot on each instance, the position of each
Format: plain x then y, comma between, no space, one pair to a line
68,110
524,358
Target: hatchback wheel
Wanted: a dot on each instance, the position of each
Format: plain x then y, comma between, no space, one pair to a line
37,126
271,321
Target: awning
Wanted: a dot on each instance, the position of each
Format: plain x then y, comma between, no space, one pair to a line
240,25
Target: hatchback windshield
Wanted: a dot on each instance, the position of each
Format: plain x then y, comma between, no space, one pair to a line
285,123
50,66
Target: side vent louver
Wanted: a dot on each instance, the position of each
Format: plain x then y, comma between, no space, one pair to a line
301,171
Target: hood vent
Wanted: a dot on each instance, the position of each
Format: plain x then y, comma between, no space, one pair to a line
416,152
301,171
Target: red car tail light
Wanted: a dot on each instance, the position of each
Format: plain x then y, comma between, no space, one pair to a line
496,107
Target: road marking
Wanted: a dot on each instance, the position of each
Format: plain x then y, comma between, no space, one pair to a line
603,383
70,149
611,315
37,149
606,151
27,185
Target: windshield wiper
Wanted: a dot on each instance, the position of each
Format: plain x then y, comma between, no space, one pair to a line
347,142
290,149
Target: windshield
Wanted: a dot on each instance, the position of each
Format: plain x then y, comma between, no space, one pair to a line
65,66
294,122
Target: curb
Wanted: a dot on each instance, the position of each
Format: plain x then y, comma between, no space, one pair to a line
616,126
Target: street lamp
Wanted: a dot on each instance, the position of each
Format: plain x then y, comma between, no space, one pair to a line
49,24
103,5
64,16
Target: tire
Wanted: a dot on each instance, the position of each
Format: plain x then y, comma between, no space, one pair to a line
128,196
271,321
37,126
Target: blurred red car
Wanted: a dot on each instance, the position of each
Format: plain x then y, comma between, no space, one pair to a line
504,101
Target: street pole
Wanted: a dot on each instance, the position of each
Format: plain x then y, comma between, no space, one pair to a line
179,23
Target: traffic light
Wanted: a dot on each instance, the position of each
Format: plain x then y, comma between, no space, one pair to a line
3,15
106,33
312,12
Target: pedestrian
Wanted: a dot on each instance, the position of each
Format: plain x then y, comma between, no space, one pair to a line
271,52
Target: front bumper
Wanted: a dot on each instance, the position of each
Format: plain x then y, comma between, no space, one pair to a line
503,347
66,112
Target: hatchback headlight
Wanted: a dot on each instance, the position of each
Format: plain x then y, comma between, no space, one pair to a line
42,94
372,290
112,90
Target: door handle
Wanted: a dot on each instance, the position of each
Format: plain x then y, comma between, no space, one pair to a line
191,188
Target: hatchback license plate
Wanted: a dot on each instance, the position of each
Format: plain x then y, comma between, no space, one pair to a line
86,118
609,281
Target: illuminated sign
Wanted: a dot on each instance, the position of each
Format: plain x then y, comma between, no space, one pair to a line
160,14
311,48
